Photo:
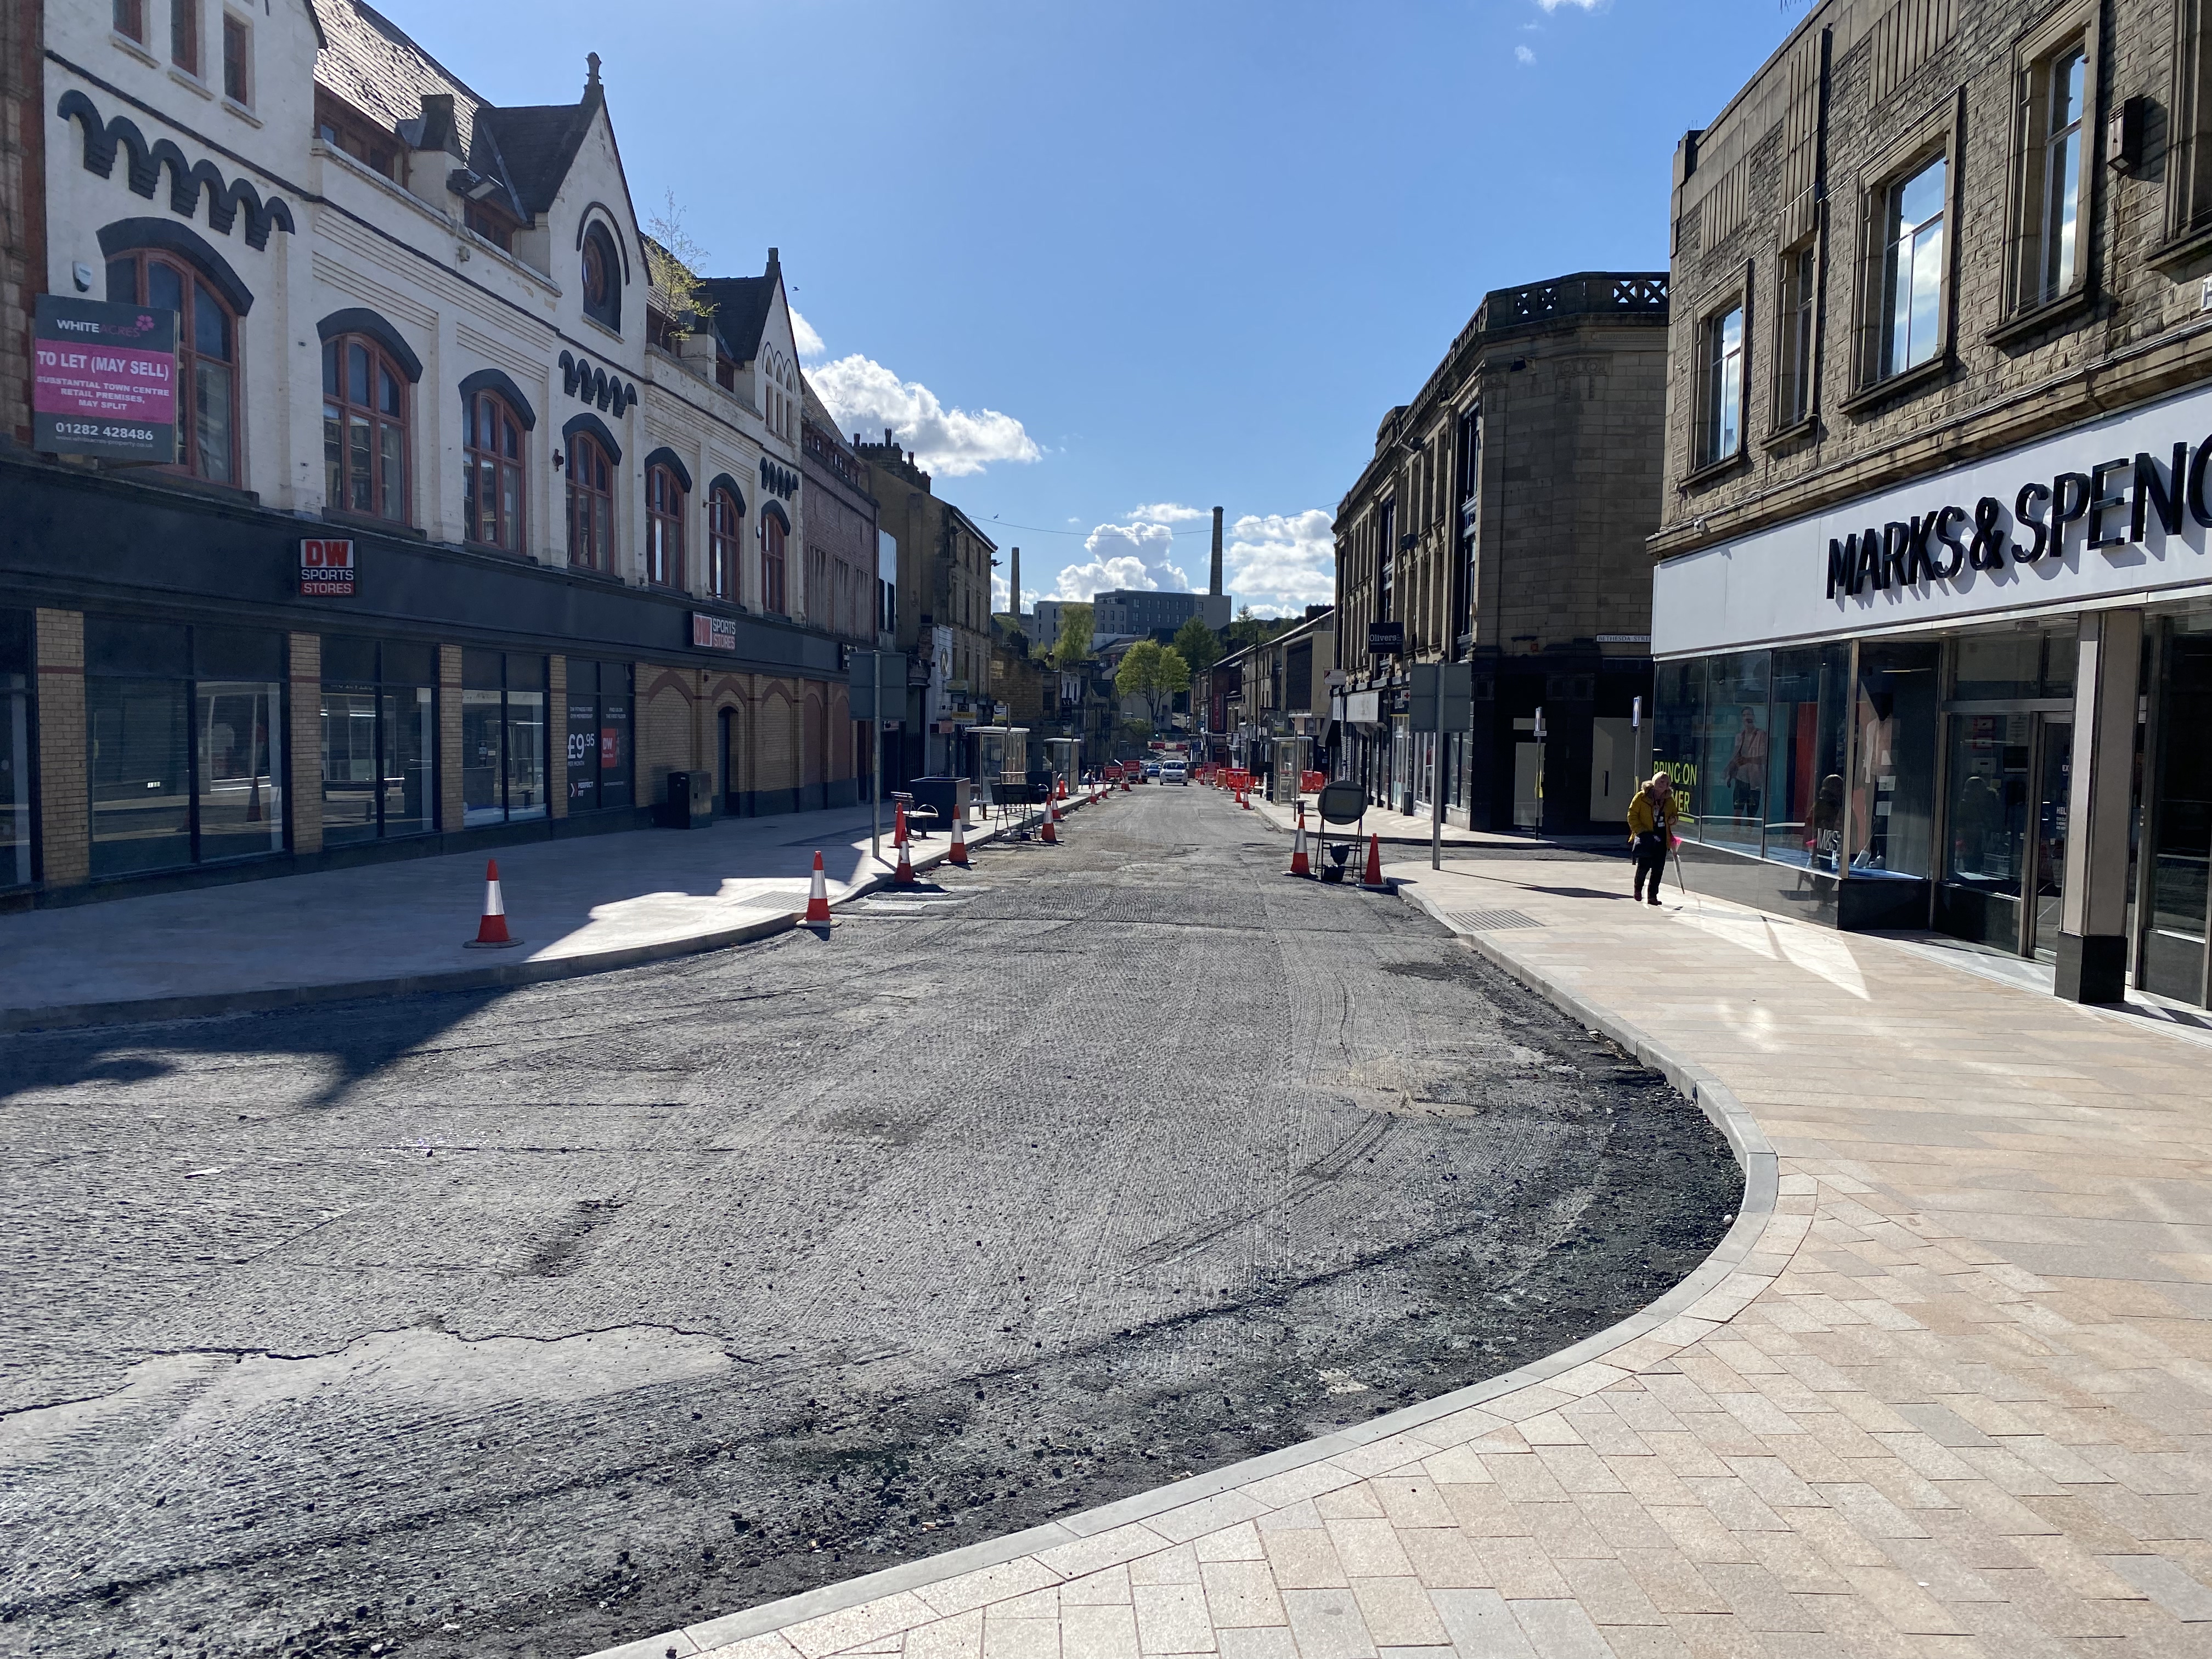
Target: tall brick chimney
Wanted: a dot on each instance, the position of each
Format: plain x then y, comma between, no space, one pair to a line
1215,586
1014,587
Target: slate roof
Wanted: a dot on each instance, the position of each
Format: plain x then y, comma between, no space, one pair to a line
538,143
374,64
371,63
741,308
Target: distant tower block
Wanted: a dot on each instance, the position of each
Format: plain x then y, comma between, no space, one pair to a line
1215,588
1014,587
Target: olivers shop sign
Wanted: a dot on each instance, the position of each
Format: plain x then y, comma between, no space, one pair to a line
2114,502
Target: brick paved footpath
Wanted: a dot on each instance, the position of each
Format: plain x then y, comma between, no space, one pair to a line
1946,1391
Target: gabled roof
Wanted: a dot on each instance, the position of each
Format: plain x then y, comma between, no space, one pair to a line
373,63
537,143
741,308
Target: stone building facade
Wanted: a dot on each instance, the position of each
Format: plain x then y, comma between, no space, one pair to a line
1931,599
425,330
1501,523
943,609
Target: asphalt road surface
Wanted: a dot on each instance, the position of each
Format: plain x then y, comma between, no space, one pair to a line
530,1323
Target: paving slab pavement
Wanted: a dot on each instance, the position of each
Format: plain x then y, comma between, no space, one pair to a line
577,904
1945,1391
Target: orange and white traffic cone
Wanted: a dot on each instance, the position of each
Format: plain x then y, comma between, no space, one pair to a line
1374,876
1060,785
1049,834
904,875
1244,800
817,898
958,856
491,931
1300,866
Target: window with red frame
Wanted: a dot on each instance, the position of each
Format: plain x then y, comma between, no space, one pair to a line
664,527
493,493
364,428
130,20
207,358
185,36
724,519
591,504
772,563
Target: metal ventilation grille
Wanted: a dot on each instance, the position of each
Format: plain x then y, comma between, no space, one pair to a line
1490,921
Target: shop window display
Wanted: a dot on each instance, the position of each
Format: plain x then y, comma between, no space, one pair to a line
15,747
1732,782
379,739
503,737
1805,757
185,737
599,761
1677,734
1892,788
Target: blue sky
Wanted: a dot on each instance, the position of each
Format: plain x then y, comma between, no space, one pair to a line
1108,264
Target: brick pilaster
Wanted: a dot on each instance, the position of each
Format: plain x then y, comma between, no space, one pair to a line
450,809
64,793
557,736
304,781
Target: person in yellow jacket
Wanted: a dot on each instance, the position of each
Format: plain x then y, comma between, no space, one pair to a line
1651,817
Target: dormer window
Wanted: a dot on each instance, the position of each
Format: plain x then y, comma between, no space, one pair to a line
602,278
492,225
342,127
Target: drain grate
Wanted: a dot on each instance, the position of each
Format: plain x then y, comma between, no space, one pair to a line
1490,921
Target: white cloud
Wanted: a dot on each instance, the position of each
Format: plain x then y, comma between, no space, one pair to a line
865,397
803,335
1277,563
1001,591
1523,55
1280,563
1124,556
1584,5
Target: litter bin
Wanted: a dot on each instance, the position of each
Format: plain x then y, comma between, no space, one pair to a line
691,803
947,795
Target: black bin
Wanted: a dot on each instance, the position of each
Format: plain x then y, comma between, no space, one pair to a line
691,803
947,795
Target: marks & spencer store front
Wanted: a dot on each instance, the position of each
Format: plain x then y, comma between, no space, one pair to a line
1979,703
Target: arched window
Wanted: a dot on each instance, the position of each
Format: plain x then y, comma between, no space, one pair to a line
207,358
724,518
493,491
602,278
664,527
772,563
364,428
591,504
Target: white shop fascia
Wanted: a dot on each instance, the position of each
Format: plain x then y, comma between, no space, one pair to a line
1917,555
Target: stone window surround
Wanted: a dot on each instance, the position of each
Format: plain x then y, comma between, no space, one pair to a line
2078,25
1728,293
1940,133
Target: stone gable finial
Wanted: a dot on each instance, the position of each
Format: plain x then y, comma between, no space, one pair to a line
591,67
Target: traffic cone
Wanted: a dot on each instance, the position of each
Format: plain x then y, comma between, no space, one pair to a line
817,898
958,856
904,875
1060,783
491,931
898,826
1374,876
1244,800
1049,834
1300,866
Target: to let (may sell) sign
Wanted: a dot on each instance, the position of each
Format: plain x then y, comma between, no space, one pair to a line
327,567
105,380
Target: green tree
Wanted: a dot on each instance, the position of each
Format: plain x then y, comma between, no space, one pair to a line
1073,645
1199,645
1153,671
673,261
1248,629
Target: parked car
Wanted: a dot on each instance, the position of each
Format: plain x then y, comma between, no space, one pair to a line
1151,769
1175,772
